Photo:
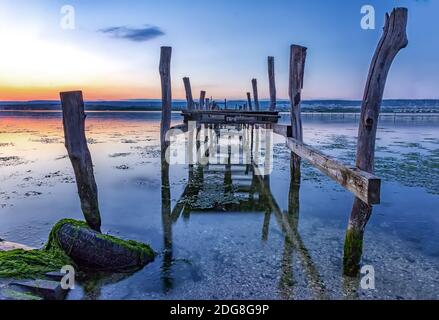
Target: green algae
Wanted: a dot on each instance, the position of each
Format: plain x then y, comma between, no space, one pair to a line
32,264
131,245
17,295
353,250
22,264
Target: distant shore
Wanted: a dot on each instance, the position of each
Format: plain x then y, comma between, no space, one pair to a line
427,106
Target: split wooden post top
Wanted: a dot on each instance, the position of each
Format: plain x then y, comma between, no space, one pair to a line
72,104
297,71
393,40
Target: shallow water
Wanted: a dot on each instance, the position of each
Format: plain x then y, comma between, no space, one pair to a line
231,253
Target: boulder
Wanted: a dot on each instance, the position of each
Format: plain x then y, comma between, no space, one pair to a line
92,250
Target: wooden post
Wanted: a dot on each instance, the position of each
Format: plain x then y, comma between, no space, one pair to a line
271,79
189,98
207,104
202,100
297,71
249,101
392,41
255,93
225,104
165,75
72,105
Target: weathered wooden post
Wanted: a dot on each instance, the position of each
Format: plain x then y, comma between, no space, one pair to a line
392,41
249,101
272,82
72,104
225,104
255,93
297,71
202,100
207,104
188,89
165,75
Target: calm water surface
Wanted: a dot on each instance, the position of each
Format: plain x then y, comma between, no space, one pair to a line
235,253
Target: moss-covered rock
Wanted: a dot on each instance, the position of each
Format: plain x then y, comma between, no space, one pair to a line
72,242
92,250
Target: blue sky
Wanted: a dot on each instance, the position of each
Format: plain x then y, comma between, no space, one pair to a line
220,45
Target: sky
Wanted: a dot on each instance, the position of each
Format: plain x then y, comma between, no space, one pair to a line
113,51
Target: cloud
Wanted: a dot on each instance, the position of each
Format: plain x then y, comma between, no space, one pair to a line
134,34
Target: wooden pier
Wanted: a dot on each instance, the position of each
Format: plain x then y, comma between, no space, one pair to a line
358,179
230,117
254,182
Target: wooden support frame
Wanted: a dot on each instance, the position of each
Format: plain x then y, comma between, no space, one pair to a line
364,185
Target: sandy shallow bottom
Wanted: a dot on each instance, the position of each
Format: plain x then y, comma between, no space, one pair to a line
224,255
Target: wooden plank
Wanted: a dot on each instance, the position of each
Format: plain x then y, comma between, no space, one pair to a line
72,104
183,127
231,112
272,83
364,185
283,130
9,246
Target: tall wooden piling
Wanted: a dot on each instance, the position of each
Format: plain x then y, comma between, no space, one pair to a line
202,100
207,104
272,83
188,89
392,41
297,71
165,75
249,101
255,93
72,104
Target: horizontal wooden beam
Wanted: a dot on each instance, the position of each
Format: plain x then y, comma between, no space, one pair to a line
183,127
283,130
364,185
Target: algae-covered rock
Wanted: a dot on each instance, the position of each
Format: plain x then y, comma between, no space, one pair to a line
73,243
92,250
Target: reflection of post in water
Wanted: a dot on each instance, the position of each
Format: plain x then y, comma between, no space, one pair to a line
287,278
293,241
167,224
